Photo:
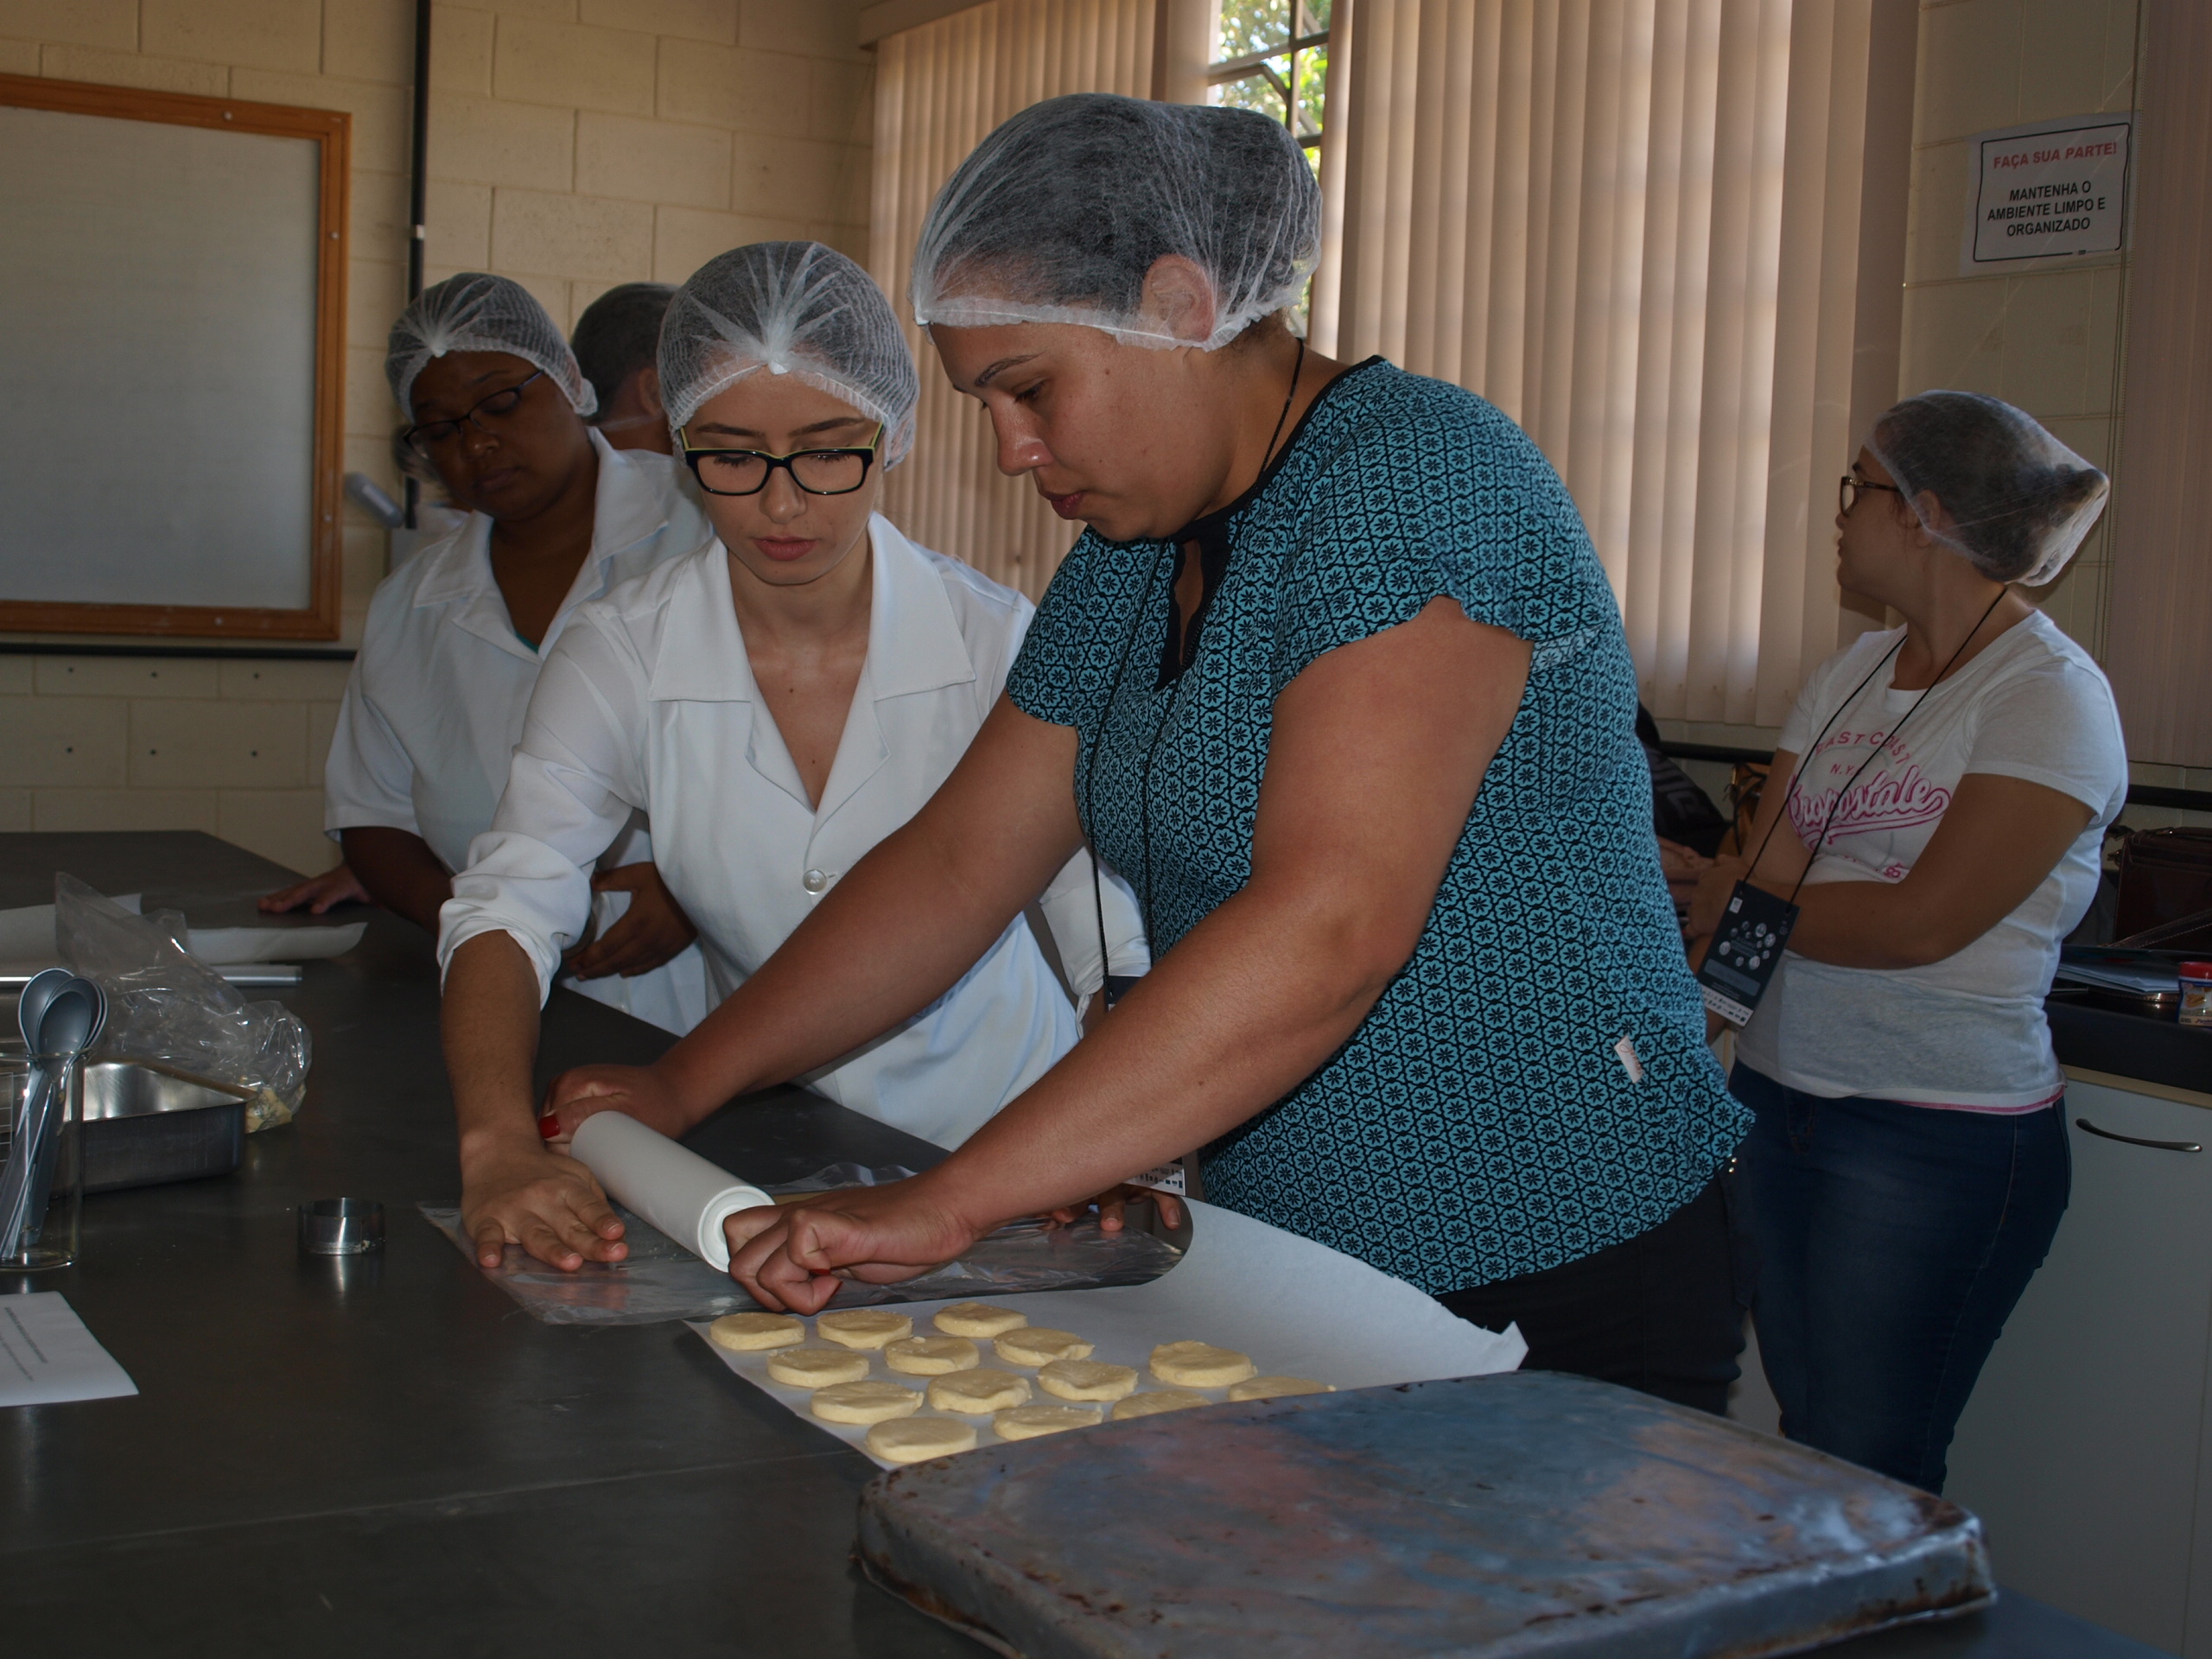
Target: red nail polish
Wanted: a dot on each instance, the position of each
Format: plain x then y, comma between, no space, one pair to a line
548,1127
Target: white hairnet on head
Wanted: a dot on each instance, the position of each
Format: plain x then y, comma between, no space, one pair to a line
2004,493
474,312
1058,216
796,308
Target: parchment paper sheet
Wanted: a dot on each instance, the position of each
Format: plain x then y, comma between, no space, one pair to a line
1297,1308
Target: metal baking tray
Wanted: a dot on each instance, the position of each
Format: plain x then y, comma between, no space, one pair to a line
1524,1515
147,1124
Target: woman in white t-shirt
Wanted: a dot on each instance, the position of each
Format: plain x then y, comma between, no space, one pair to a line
1948,787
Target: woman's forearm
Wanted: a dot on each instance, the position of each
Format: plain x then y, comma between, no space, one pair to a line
489,1023
400,871
1864,925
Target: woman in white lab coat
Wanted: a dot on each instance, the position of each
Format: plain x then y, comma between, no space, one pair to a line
455,638
778,703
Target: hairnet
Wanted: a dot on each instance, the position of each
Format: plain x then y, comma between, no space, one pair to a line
796,308
1058,216
473,311
2007,495
619,333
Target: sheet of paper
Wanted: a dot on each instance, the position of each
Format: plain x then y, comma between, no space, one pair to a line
27,935
48,1356
1297,1308
222,947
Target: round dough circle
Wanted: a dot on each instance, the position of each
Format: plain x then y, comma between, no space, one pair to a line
1199,1365
978,1394
931,1356
1039,1345
862,1328
865,1402
1087,1379
1274,1388
977,1319
1028,1422
816,1368
1152,1403
916,1440
749,1332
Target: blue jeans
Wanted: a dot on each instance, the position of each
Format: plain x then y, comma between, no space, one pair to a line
1893,1242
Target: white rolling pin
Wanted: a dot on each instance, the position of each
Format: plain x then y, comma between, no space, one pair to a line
677,1190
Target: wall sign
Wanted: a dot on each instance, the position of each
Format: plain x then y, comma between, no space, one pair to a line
2055,190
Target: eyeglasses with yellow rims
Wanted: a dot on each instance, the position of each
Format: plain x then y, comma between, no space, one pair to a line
746,472
433,434
1847,493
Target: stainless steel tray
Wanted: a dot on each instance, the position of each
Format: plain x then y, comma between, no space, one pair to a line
147,1124
1525,1515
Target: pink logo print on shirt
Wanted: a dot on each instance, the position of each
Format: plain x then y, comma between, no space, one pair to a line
1888,796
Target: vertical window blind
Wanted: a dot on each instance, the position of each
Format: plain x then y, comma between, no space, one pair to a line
939,89
1633,224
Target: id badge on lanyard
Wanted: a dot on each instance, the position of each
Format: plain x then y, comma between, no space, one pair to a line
1746,951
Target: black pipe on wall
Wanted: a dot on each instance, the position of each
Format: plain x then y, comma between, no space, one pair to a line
418,187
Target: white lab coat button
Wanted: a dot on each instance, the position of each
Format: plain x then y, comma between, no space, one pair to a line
815,881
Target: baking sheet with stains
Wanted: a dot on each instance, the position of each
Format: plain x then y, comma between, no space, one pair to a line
1297,1308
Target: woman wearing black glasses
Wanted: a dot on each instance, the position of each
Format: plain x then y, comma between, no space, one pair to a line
456,637
1948,783
778,703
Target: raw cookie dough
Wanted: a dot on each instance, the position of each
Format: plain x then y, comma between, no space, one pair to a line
816,1368
746,1332
916,1440
1157,1401
862,1328
1273,1388
931,1356
977,1319
978,1394
1086,1379
1039,1345
865,1402
1199,1365
1028,1422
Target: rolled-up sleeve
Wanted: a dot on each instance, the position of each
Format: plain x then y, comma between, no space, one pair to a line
574,782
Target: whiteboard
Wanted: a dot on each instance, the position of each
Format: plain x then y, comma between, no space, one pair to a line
158,358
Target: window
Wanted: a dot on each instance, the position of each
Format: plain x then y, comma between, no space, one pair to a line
1273,56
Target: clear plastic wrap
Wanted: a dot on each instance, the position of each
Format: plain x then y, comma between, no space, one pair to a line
165,1005
662,1280
1060,215
796,308
1986,480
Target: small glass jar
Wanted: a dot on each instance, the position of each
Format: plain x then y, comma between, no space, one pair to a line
56,1200
2196,994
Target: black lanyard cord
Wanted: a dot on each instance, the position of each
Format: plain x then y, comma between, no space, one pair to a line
1888,738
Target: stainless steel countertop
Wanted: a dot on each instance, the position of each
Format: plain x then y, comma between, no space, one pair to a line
385,1454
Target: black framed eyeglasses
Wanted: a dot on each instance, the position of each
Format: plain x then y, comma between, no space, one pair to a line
1847,493
433,434
818,472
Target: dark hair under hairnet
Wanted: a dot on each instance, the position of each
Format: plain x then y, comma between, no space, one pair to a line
619,334
1060,213
475,311
2012,497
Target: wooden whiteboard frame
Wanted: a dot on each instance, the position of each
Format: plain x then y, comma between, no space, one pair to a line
332,132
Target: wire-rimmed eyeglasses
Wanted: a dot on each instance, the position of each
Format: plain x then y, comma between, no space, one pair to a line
433,434
1846,495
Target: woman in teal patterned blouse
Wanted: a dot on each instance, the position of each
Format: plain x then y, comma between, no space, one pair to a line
1335,679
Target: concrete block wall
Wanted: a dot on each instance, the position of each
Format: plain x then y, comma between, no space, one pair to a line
574,144
232,747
